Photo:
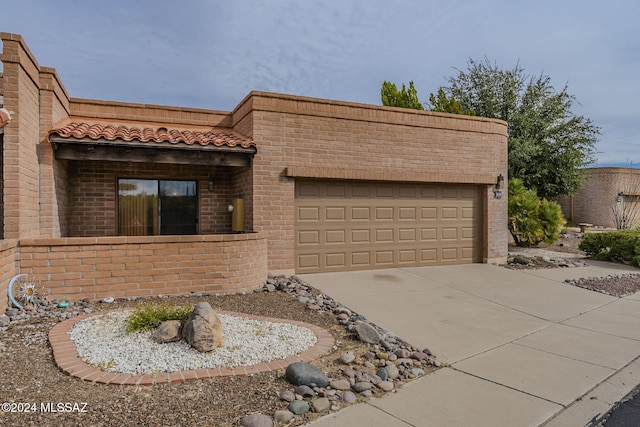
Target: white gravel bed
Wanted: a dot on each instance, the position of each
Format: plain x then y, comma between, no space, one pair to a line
102,342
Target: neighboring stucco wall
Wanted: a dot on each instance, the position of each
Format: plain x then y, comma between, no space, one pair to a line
595,201
316,138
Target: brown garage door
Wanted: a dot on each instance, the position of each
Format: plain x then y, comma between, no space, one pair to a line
351,225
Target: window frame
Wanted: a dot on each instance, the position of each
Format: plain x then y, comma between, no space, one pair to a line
158,208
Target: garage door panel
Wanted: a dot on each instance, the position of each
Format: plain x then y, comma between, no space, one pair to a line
361,236
468,233
346,225
309,237
429,255
411,192
429,234
336,190
450,193
407,235
360,190
428,192
407,256
360,259
449,254
384,191
308,261
384,258
408,213
430,213
335,237
449,213
309,214
360,214
333,213
384,213
308,189
449,233
336,260
384,235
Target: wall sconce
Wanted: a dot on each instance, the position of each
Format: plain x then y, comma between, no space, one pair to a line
620,197
211,184
497,187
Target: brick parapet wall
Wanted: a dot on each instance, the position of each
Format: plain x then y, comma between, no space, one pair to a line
8,269
98,267
112,110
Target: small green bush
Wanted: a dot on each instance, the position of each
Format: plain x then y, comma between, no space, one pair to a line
619,246
532,220
150,316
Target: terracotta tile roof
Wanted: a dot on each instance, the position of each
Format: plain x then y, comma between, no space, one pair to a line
148,133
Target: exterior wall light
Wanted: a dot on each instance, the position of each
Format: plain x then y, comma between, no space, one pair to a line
211,184
497,188
620,197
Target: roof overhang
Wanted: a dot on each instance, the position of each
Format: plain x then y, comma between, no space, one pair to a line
75,140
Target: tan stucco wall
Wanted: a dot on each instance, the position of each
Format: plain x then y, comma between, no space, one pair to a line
595,201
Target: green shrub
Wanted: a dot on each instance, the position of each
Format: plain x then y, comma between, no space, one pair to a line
150,316
532,220
619,246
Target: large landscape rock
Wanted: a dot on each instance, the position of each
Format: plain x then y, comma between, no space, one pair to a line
168,331
301,373
203,329
367,333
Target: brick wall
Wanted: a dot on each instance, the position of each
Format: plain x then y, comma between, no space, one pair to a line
8,269
314,138
77,268
21,81
93,194
54,106
596,199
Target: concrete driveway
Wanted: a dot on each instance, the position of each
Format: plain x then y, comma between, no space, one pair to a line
522,347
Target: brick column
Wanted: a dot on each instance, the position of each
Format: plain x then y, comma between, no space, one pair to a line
21,82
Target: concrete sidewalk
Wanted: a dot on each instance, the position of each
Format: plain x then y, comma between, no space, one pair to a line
522,347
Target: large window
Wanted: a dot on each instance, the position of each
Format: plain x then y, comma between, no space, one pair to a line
149,207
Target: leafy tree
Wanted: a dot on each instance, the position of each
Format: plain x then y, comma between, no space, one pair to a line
548,144
532,220
443,104
405,98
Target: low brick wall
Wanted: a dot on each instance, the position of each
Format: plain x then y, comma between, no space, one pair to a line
98,267
8,250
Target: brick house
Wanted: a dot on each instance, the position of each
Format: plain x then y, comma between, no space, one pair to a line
608,193
104,198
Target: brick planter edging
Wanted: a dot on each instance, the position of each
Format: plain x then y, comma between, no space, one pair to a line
66,356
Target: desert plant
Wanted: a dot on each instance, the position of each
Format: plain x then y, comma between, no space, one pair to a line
149,316
532,220
620,246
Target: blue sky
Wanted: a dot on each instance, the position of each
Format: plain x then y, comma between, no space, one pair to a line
211,54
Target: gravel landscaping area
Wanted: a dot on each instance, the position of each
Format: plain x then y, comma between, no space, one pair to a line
565,254
356,370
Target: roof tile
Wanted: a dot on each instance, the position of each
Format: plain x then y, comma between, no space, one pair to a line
205,136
